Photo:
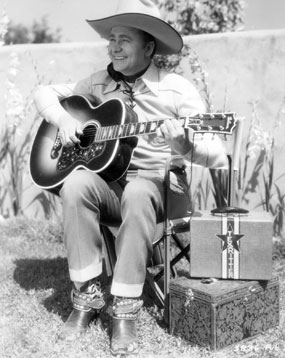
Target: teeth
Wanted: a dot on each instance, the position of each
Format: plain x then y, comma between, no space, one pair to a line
119,58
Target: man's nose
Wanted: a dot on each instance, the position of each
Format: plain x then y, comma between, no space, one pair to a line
116,46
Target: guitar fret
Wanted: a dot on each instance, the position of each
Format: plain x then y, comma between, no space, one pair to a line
128,129
125,131
147,129
108,132
142,128
120,130
153,126
116,131
137,128
111,132
132,128
104,133
99,134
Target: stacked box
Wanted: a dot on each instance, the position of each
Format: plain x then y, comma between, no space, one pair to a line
231,246
218,313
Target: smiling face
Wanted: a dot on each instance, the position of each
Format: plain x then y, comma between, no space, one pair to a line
128,50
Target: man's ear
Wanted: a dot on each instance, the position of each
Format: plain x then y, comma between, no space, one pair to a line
150,48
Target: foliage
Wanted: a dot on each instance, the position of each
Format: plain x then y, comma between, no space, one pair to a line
258,173
38,32
191,17
16,138
199,195
14,151
4,21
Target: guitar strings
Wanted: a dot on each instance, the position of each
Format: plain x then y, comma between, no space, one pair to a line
126,129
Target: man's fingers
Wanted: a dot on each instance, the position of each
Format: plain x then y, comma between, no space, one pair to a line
74,139
79,131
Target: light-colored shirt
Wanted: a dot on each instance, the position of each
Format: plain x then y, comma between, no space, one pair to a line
157,95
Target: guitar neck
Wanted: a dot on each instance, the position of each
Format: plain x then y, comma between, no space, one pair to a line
130,130
205,123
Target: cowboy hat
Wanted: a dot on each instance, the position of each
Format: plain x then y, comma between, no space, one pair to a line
142,15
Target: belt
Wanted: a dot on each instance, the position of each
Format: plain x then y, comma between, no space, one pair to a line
132,173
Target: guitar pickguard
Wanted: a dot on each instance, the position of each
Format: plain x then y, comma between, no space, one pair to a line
71,155
56,147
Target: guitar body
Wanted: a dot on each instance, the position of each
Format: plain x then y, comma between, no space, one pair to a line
51,163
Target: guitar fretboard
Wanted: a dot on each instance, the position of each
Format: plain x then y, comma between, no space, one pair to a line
129,130
215,123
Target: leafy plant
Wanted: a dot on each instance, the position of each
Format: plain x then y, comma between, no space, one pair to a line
258,175
4,21
38,32
202,16
16,140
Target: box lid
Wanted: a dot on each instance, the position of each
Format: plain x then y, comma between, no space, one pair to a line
218,290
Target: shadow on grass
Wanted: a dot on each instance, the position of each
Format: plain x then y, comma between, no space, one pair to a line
48,280
43,275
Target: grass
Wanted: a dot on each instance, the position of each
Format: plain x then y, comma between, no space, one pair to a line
35,301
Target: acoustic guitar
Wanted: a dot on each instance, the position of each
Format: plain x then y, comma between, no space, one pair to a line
110,134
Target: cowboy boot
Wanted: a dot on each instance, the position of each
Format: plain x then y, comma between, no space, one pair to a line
124,333
87,303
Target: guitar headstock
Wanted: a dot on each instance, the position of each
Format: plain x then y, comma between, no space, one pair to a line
220,123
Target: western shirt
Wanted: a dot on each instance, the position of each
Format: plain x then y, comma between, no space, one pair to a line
156,95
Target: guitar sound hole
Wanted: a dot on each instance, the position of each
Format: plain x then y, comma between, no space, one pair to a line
88,136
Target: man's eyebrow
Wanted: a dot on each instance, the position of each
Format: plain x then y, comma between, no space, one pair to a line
121,36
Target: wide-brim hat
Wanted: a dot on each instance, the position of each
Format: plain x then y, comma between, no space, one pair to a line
142,15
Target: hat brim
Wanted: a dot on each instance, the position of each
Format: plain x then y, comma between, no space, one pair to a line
168,40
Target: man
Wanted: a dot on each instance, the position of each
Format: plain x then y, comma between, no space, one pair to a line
135,33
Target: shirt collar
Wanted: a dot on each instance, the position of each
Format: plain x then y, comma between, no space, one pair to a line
150,79
111,86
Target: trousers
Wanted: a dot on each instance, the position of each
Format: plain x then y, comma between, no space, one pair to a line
136,206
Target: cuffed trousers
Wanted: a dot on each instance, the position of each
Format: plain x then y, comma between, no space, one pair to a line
135,206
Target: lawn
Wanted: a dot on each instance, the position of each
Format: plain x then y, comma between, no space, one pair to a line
35,301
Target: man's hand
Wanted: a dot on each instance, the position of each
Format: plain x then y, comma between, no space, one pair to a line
69,128
175,136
